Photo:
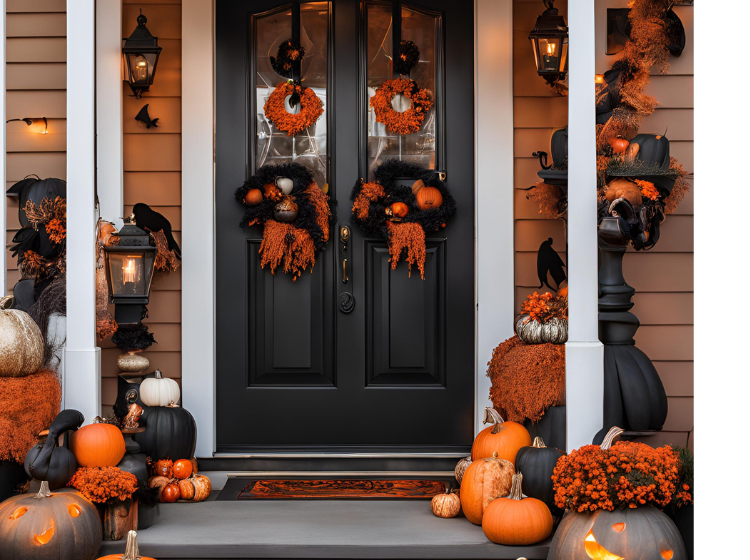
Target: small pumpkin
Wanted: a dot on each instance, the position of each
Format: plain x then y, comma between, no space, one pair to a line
286,210
187,490
619,145
201,486
537,464
21,344
159,482
399,209
531,331
446,505
516,520
272,192
253,197
159,390
170,493
429,198
60,525
415,188
182,468
484,480
502,439
461,467
624,188
162,467
285,184
98,445
131,550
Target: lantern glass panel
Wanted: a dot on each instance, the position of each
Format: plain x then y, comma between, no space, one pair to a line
141,68
549,54
130,273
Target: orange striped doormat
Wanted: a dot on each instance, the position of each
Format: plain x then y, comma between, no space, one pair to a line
337,489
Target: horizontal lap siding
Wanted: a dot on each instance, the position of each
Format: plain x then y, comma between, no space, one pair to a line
662,277
35,87
152,174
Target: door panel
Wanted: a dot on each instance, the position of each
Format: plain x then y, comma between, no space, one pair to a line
294,370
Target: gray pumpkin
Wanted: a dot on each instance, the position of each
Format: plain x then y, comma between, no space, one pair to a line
553,330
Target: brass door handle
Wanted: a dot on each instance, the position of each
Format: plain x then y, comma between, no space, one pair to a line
344,277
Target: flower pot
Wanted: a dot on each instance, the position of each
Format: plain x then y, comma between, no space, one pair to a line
147,515
118,518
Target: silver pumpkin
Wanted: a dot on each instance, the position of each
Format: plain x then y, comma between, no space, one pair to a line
530,331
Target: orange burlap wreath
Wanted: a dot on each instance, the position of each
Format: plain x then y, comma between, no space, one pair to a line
311,107
29,405
526,379
410,120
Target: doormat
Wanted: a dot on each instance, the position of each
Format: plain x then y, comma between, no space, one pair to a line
337,489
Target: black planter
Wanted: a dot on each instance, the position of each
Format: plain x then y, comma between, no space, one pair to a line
684,519
551,427
634,397
12,477
147,515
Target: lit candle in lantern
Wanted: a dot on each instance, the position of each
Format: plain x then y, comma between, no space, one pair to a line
128,271
550,59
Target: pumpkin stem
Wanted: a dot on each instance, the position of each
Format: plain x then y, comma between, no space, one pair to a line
131,547
538,442
492,415
43,491
157,374
609,439
515,489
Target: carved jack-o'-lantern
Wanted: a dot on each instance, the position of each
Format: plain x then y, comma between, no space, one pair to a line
49,526
642,532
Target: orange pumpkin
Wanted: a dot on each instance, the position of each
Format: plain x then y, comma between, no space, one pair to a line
446,505
619,145
272,192
131,550
503,438
158,482
429,198
171,493
187,490
182,468
623,188
516,520
483,481
399,209
162,467
253,197
98,445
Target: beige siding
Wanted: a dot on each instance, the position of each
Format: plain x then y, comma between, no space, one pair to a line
35,87
662,277
152,165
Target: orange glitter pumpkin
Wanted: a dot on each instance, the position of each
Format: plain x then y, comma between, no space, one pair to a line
429,198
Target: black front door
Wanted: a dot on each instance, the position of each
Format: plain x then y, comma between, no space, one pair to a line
297,367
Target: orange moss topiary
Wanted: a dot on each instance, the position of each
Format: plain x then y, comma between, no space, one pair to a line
288,245
407,237
29,405
526,379
370,193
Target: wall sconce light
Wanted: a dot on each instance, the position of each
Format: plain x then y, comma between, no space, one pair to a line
140,54
549,40
39,124
599,79
130,267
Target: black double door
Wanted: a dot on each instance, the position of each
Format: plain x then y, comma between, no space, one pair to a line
294,370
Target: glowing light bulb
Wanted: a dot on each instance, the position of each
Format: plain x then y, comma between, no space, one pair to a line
128,271
550,48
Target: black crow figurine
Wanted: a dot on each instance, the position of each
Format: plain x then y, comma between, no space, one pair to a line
150,220
548,261
143,117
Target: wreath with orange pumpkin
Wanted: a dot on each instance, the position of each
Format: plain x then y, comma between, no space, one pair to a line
402,203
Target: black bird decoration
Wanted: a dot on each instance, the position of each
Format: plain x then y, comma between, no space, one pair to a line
548,261
143,117
148,219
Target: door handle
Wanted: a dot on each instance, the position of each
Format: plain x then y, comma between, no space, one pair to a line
346,299
344,278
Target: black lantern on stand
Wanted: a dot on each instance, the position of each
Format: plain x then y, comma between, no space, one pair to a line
140,54
130,268
549,40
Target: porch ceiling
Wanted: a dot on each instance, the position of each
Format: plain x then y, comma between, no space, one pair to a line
315,529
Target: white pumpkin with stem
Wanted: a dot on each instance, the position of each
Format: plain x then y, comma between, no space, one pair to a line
21,344
159,391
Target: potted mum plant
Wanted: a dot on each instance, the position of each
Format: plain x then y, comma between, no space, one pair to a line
111,491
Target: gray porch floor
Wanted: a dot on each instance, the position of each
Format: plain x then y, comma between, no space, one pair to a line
315,529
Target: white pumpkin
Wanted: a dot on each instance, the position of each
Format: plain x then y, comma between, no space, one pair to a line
21,344
159,391
285,184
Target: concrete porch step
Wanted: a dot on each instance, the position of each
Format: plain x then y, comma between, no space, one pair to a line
315,529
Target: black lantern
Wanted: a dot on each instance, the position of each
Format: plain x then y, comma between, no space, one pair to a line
130,267
549,39
140,54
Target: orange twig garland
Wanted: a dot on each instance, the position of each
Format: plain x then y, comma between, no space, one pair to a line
370,193
288,245
407,237
319,201
311,108
410,120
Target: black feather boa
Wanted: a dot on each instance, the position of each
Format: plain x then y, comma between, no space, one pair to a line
376,223
302,178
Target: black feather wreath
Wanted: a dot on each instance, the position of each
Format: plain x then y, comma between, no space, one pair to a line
302,178
408,57
133,337
386,174
289,52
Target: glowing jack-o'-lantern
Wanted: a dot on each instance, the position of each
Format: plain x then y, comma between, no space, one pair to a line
60,525
642,532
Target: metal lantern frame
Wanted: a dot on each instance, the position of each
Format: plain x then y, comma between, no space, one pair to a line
550,29
140,44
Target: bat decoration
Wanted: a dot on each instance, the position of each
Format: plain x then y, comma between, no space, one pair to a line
548,261
150,220
143,117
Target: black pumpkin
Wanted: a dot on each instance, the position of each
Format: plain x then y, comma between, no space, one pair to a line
135,463
35,189
49,461
642,532
654,149
537,462
170,432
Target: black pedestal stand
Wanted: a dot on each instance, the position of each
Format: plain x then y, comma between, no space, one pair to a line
634,397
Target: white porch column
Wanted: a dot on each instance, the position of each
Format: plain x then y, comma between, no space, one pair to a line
82,381
584,354
493,143
198,287
109,110
3,273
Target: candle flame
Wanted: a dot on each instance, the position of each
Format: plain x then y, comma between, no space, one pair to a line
128,271
550,48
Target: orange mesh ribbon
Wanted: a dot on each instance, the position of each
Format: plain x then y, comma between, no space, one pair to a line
284,244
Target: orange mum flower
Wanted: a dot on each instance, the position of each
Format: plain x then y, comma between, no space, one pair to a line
647,189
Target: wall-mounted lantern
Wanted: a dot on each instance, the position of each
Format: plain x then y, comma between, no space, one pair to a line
38,125
549,40
130,267
140,54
